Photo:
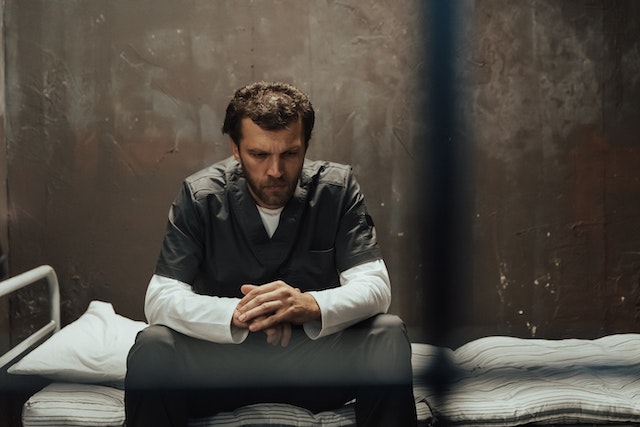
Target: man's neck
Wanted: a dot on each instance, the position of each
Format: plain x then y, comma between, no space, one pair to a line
270,219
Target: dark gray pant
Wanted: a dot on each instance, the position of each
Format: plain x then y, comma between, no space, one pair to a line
172,377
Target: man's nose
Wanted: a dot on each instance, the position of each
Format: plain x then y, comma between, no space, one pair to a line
275,167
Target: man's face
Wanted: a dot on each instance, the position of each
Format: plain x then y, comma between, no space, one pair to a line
272,161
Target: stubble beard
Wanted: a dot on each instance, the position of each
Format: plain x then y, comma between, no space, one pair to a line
272,198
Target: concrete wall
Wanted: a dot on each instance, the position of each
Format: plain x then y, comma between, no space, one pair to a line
112,103
556,220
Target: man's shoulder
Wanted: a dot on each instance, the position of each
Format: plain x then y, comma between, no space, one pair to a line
326,172
212,179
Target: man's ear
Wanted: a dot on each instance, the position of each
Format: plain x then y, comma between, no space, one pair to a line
234,149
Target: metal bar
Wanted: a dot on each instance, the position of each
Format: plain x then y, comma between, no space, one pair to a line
25,279
26,344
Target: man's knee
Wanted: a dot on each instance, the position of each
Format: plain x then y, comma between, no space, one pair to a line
152,356
385,348
154,339
386,327
155,335
387,321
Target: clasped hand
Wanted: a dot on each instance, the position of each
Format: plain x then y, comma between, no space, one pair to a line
273,308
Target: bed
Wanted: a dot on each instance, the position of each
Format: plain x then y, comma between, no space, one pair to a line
84,365
490,381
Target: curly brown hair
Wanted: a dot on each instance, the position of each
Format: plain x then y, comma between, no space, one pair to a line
272,106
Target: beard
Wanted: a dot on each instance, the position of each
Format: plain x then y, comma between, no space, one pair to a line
272,193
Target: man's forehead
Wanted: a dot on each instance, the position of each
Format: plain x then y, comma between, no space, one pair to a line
251,127
249,122
254,133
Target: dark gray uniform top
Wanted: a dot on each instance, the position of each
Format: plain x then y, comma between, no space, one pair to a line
216,241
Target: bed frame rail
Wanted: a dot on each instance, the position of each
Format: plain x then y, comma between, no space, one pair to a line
25,279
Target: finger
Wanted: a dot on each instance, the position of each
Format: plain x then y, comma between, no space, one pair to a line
286,334
253,291
276,336
253,296
273,335
262,305
262,323
263,310
269,333
235,320
245,289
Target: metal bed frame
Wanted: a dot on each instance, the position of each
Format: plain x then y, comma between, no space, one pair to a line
25,279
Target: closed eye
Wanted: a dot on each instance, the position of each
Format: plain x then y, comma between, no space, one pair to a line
258,155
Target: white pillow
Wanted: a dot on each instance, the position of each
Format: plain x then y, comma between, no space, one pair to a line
93,349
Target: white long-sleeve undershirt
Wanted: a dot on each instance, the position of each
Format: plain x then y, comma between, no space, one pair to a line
365,290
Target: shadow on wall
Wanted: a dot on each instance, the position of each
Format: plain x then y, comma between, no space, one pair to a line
3,265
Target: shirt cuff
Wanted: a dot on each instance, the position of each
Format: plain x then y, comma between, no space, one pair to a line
313,329
238,335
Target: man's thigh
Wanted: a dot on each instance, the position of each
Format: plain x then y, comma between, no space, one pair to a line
315,374
375,349
255,363
307,373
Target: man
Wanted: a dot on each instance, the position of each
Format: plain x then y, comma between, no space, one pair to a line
270,285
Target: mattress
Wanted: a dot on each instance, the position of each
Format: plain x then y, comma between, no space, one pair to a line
508,381
491,381
86,362
63,404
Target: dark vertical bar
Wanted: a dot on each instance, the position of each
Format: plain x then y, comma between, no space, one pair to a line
440,161
444,193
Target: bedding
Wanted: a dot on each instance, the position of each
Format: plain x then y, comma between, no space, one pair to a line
507,381
92,349
75,404
86,360
494,381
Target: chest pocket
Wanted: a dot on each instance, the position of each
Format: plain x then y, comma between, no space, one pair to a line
312,270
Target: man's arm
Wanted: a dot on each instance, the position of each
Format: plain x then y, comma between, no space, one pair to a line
173,303
365,291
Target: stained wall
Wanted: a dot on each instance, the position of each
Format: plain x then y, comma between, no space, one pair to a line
111,103
556,221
